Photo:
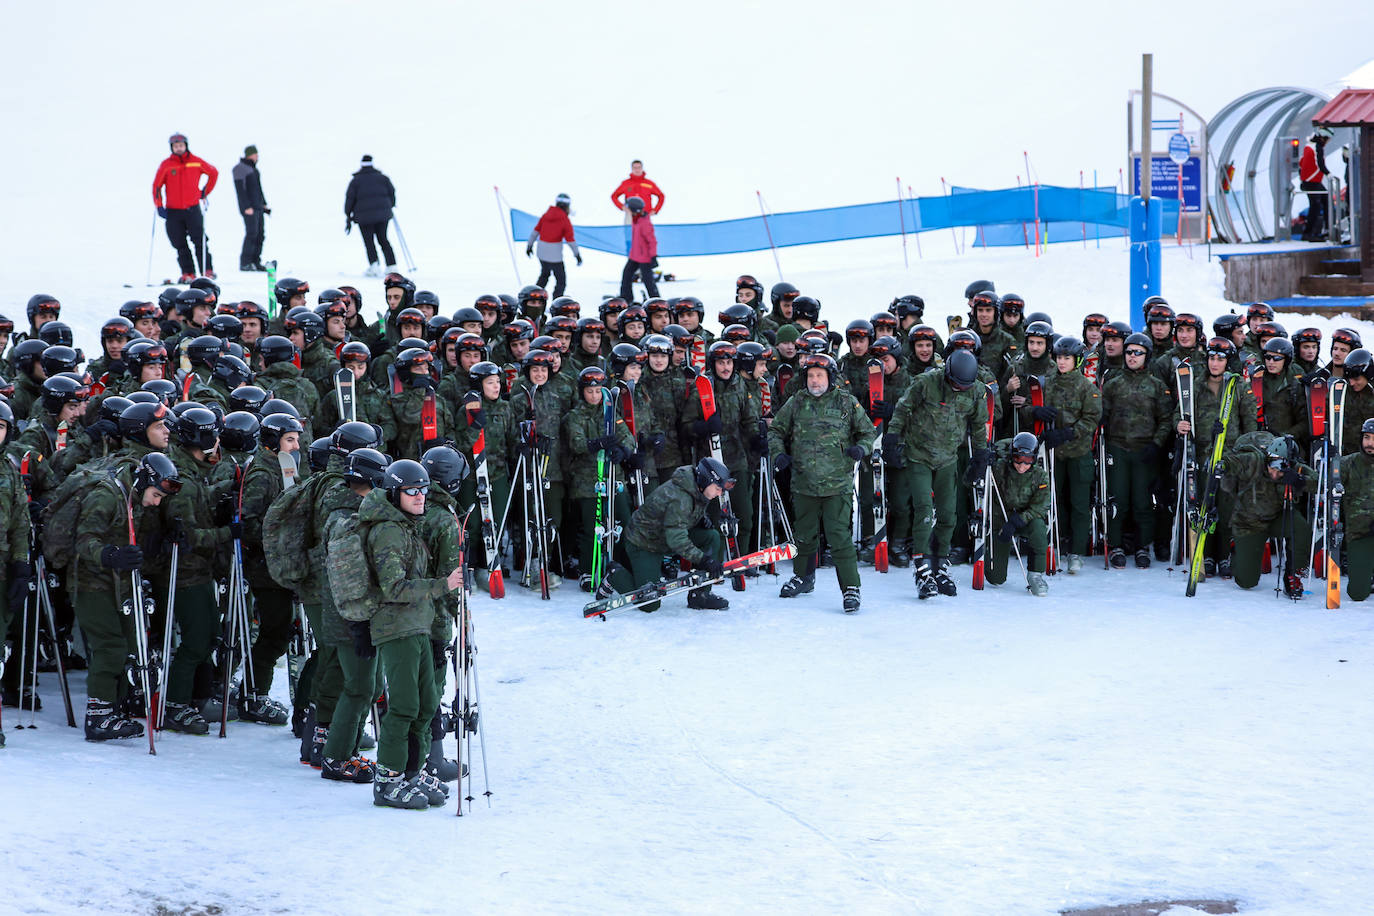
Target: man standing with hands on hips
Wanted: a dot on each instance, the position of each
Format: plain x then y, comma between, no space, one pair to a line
180,174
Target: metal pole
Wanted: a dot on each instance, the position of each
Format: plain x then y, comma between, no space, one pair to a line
776,263
902,220
501,219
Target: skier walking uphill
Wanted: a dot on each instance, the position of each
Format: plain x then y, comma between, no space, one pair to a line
1073,408
399,628
553,229
368,202
929,424
643,252
1357,476
821,432
252,207
180,174
98,579
1135,420
1019,509
1267,479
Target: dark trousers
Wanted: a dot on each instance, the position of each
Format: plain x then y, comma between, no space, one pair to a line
1316,211
254,231
627,279
559,273
276,619
186,229
375,234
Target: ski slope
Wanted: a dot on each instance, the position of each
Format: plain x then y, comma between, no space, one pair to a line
989,753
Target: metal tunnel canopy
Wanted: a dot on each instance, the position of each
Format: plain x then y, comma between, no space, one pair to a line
1244,132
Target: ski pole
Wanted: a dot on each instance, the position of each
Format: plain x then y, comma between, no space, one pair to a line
33,671
45,605
152,238
401,237
997,491
167,625
204,210
23,653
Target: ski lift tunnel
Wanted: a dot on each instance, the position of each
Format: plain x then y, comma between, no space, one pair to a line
1243,155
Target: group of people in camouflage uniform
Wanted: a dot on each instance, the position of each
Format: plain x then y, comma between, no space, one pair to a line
198,415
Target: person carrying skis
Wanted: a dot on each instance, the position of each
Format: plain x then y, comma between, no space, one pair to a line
1281,407
399,629
368,202
491,417
252,207
1072,410
1267,479
1020,506
368,406
180,175
1135,420
553,229
1015,386
643,252
280,376
821,432
584,431
669,524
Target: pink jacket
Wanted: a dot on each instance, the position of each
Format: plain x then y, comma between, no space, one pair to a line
644,247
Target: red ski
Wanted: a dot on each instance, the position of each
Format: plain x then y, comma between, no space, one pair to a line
1037,399
496,585
875,397
729,525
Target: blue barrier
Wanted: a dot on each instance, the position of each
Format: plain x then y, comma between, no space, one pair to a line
998,214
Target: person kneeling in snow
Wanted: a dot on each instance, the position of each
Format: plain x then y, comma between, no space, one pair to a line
1021,504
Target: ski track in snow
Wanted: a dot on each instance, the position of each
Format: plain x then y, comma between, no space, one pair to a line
990,753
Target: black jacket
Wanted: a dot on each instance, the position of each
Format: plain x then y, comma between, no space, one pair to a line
370,197
248,185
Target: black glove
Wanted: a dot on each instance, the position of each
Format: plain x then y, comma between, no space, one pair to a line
348,226
1013,524
529,251
439,651
36,507
177,534
616,454
162,212
224,510
1045,414
361,631
759,444
1057,437
713,568
855,452
101,430
978,464
1217,429
600,443
579,259
21,577
477,418
656,442
123,557
236,530
881,410
891,445
423,381
703,428
635,461
781,462
1149,453
1292,477
267,211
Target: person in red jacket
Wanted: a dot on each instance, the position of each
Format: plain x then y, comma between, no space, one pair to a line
180,173
553,229
1312,174
638,185
643,253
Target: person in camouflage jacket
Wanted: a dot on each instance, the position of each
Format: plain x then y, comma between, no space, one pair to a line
281,377
1136,421
1359,399
1020,505
15,534
369,403
1073,408
585,437
1268,482
667,391
1015,384
411,383
491,417
1357,477
821,433
736,421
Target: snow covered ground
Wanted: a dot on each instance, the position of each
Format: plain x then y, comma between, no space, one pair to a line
989,753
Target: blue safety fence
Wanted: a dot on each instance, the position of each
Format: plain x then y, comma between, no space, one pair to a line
999,215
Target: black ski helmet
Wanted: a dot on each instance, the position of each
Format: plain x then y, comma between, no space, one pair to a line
157,470
1069,346
1040,329
144,397
60,390
44,303
909,305
355,435
232,371
57,334
276,349
135,420
961,370
747,356
739,313
240,432
278,405
26,353
590,377
783,292
318,454
480,371
658,343
288,288
446,466
1348,337
276,425
964,339
204,350
819,361
58,359
115,327
710,471
165,390
355,351
247,397
225,327
622,355
366,465
404,475
1225,325
1283,347
1358,362
307,322
979,286
1014,303
197,427
1261,311
1366,427
178,138
188,300
635,205
1141,340
807,307
111,407
859,327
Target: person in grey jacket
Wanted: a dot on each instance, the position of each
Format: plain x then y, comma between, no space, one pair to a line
369,201
553,229
252,207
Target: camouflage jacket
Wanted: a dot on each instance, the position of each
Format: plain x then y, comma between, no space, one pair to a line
405,407
1357,476
1259,500
815,431
1023,367
660,526
1207,410
262,484
1025,494
1357,407
502,436
104,522
194,506
1135,410
368,405
15,526
584,423
548,424
738,405
340,501
318,366
1080,407
1284,407
932,420
998,345
405,570
284,381
667,391
440,532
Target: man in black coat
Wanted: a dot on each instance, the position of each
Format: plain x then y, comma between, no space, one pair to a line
368,203
252,207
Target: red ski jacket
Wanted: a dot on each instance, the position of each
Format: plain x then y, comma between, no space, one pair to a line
181,176
1309,168
554,226
640,187
644,245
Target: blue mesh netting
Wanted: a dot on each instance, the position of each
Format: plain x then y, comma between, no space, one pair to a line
999,215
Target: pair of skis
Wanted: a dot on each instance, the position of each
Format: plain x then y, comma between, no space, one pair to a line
1187,470
875,397
697,578
606,531
496,584
1046,458
980,522
467,693
1202,514
538,531
729,524
1326,417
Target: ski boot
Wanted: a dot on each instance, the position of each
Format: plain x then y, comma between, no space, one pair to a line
317,746
442,768
798,585
926,586
185,718
390,789
1117,558
1036,583
899,555
435,792
866,552
943,581
851,599
102,724
373,270
1162,552
356,770
262,709
1209,567
958,555
1142,559
1224,568
702,599
1075,564
1292,584
24,699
